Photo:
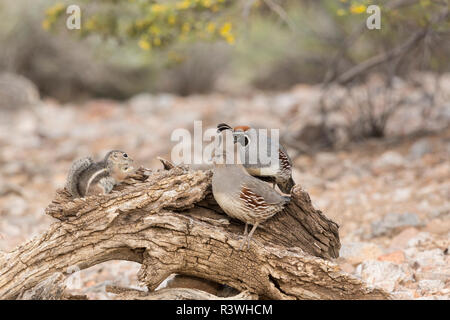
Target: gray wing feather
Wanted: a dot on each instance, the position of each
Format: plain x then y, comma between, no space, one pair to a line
264,190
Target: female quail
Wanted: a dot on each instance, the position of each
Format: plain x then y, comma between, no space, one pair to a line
241,195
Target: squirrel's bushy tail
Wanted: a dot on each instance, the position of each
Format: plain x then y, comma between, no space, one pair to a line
77,168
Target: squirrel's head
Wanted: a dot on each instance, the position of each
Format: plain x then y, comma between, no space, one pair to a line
119,161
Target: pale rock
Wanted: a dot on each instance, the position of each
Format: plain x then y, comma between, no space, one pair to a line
401,194
284,103
420,148
389,159
383,274
16,206
438,226
403,295
401,240
357,252
397,257
12,168
430,258
326,158
428,298
347,267
419,239
17,91
431,286
392,221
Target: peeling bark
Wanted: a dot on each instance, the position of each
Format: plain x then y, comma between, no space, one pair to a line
174,294
168,221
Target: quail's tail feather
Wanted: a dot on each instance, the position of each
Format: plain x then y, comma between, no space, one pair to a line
77,168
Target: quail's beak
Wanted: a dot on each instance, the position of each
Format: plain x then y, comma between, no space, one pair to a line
238,137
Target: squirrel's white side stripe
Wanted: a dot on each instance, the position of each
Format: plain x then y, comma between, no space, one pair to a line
93,177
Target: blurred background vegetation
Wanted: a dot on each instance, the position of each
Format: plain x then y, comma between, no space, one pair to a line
198,46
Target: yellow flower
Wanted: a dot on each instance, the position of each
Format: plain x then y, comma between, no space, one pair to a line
154,30
183,5
211,27
157,42
206,3
230,39
54,10
140,23
46,25
186,27
144,44
157,8
256,4
357,8
90,24
171,19
341,12
226,28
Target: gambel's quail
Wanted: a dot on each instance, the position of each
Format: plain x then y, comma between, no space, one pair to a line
239,194
279,173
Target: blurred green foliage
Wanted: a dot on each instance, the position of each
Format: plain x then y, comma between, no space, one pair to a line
189,46
153,24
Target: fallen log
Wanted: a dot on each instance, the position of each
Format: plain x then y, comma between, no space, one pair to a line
168,221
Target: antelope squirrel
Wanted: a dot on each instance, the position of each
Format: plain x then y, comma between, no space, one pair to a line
87,177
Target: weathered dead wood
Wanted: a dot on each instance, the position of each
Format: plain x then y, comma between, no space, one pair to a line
52,288
174,294
169,222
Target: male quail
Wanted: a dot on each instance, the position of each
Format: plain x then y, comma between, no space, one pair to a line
278,173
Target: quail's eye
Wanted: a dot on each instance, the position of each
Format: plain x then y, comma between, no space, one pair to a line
246,141
243,139
125,155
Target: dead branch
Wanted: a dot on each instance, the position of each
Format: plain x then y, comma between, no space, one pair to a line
396,52
174,294
349,41
169,222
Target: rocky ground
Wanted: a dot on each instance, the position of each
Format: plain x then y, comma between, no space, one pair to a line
390,196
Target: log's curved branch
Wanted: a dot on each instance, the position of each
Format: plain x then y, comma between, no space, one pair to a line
168,221
174,294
